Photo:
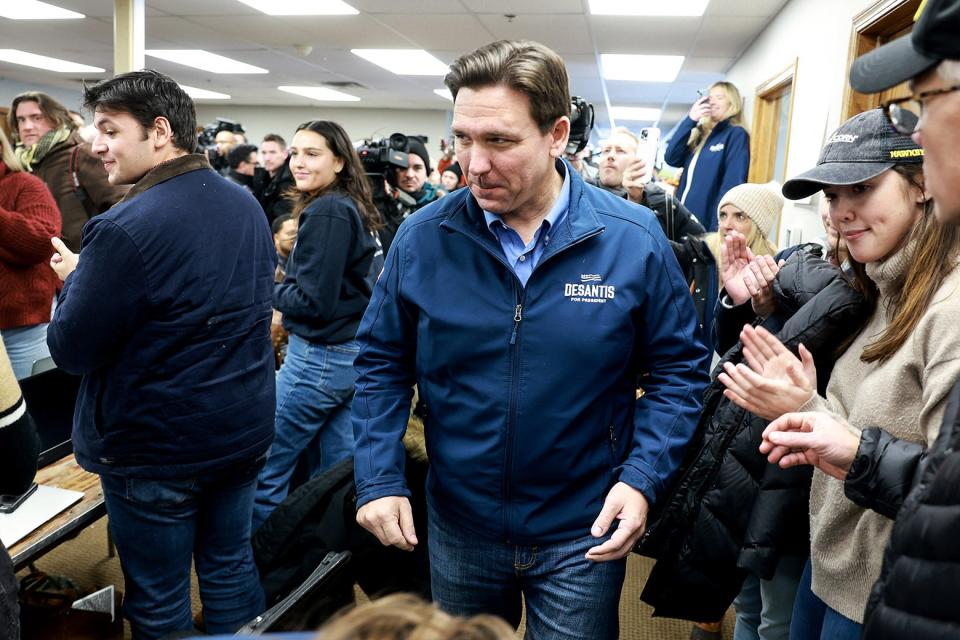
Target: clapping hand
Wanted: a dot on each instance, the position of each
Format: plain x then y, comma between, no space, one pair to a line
735,256
775,382
814,438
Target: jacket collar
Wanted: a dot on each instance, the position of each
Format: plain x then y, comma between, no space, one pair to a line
581,220
166,171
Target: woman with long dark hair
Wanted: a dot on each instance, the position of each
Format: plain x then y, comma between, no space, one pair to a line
327,286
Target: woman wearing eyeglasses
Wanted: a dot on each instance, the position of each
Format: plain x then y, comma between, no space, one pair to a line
895,375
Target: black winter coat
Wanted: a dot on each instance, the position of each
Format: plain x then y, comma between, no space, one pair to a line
729,512
918,591
319,517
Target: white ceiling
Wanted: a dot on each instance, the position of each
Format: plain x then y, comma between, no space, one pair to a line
445,28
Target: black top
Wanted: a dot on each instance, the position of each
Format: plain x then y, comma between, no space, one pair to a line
19,445
328,281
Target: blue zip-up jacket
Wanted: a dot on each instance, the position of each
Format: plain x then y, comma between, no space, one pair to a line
167,317
530,393
723,164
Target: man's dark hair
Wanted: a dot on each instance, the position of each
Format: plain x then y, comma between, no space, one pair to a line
147,95
278,222
240,153
528,67
273,137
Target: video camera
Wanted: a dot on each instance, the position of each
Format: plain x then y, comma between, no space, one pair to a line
208,137
380,155
581,124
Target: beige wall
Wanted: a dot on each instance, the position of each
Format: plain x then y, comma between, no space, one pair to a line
817,34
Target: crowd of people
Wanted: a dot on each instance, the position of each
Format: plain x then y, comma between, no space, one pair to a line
553,326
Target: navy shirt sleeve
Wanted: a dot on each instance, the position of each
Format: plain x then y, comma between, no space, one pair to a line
673,364
102,303
677,151
386,370
736,164
316,268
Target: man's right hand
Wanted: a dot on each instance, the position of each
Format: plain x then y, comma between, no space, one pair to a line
390,519
633,179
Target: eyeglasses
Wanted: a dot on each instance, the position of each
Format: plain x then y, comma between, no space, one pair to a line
905,113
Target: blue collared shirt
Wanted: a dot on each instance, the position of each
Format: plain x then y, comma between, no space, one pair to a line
521,257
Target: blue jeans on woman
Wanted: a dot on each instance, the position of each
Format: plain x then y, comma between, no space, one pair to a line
567,597
26,345
765,607
159,526
314,392
814,620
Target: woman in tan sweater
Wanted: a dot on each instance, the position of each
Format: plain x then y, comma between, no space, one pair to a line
895,374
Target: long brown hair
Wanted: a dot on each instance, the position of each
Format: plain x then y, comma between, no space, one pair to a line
352,179
934,257
55,112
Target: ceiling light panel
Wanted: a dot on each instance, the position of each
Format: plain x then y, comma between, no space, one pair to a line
45,62
404,62
644,114
204,94
200,59
640,68
35,10
302,7
650,8
322,94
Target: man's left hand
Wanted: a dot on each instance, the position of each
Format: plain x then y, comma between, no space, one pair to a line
63,261
630,507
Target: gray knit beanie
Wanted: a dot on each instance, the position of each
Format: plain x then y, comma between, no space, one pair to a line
762,203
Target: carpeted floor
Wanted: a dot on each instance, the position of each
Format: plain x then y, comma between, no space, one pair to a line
85,560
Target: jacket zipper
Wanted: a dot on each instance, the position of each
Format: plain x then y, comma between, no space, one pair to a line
512,408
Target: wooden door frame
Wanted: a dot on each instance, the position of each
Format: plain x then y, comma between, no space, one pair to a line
787,77
871,28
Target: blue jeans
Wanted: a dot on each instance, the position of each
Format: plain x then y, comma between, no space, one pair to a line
25,345
814,620
314,392
765,607
160,525
567,596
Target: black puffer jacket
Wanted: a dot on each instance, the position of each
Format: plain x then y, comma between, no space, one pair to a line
918,592
729,511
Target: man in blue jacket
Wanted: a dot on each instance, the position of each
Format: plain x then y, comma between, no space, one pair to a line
527,309
166,314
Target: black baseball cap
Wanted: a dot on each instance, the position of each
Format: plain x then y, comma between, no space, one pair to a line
935,37
863,147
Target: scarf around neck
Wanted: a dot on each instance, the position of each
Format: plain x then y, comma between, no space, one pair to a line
31,156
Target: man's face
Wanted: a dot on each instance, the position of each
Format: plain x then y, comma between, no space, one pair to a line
248,167
616,154
272,156
283,240
31,123
939,135
412,178
505,158
126,150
